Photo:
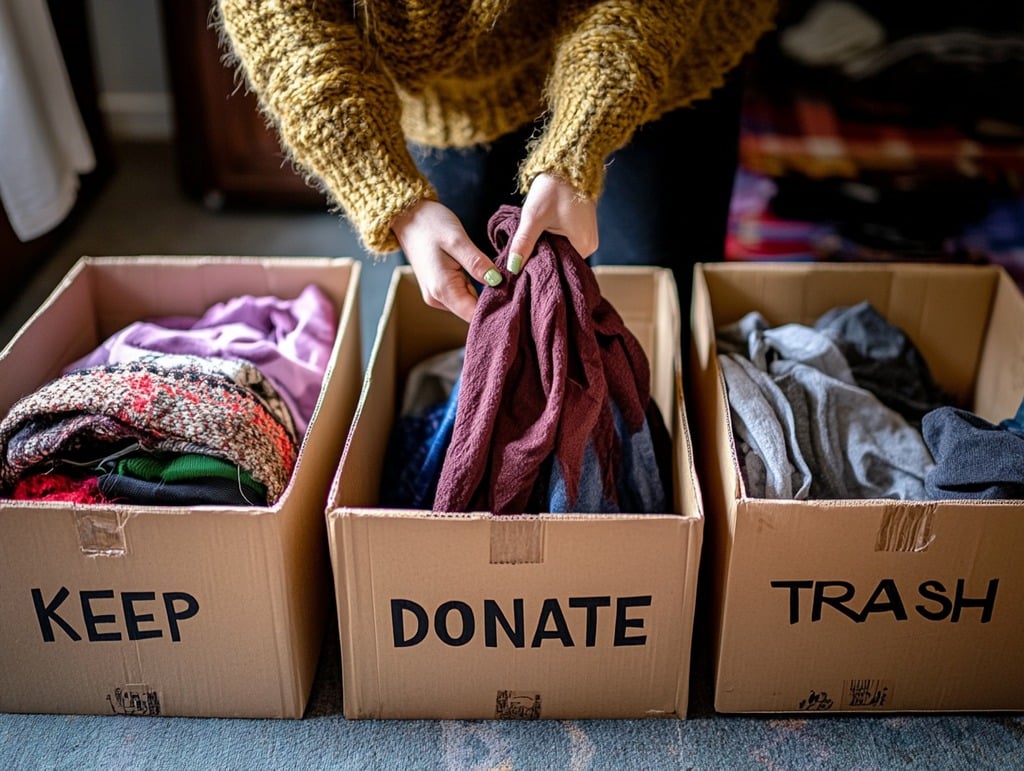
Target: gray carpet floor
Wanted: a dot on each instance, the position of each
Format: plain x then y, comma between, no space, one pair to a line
142,211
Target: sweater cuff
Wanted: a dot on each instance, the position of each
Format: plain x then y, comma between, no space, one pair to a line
369,175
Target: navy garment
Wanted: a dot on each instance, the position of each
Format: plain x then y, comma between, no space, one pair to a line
974,460
883,360
415,455
211,491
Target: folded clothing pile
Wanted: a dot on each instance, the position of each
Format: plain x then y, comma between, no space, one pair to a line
177,411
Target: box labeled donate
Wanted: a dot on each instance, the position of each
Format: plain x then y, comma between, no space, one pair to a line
865,605
171,610
469,615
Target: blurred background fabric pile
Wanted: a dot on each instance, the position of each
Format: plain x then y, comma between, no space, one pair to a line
880,131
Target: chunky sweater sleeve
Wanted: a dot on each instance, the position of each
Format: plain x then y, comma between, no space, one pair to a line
612,65
335,110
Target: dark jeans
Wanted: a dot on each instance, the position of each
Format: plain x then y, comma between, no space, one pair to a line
666,196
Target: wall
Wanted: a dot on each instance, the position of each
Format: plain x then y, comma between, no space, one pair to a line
131,69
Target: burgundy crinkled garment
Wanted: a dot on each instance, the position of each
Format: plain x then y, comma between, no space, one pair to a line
545,356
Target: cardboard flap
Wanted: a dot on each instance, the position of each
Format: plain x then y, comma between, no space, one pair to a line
1000,377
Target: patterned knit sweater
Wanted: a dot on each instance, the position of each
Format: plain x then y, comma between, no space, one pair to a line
347,82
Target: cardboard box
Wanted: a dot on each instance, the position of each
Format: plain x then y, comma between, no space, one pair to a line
865,605
446,577
201,611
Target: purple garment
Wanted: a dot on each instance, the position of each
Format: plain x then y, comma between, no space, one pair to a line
289,341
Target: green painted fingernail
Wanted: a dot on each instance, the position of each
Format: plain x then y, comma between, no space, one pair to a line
515,262
492,277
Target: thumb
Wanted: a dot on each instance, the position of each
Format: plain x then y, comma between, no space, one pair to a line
524,241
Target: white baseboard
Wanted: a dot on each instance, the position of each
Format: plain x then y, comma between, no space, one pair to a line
138,116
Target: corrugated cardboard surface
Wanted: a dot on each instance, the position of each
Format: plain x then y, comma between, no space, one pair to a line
865,605
201,611
548,616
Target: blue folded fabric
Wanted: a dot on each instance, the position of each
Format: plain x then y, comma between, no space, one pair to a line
639,485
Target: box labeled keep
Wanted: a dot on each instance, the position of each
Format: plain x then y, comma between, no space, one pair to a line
214,611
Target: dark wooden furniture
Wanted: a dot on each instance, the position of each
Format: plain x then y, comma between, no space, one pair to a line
226,153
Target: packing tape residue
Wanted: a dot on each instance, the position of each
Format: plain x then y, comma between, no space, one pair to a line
101,534
906,528
517,541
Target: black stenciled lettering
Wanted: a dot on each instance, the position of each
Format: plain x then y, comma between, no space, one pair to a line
986,603
837,601
465,612
936,604
894,603
191,607
794,596
398,608
553,611
935,591
93,619
623,623
46,613
591,604
132,619
493,616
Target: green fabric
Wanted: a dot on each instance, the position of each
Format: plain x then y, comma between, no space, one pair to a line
184,468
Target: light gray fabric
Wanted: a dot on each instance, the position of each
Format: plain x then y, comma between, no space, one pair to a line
798,414
763,421
859,448
752,337
431,381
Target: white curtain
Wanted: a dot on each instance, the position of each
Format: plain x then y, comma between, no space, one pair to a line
44,145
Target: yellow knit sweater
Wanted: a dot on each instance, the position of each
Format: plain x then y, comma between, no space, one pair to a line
347,82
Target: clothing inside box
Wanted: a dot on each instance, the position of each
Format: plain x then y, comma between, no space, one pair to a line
651,480
170,408
846,406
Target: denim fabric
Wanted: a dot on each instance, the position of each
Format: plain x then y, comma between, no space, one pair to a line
1016,423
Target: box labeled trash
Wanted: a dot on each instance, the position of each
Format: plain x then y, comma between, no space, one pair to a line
471,615
869,604
208,610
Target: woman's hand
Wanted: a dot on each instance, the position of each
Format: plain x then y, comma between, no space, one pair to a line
437,247
553,205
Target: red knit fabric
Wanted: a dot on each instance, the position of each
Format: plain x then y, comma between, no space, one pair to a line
545,355
58,487
169,401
